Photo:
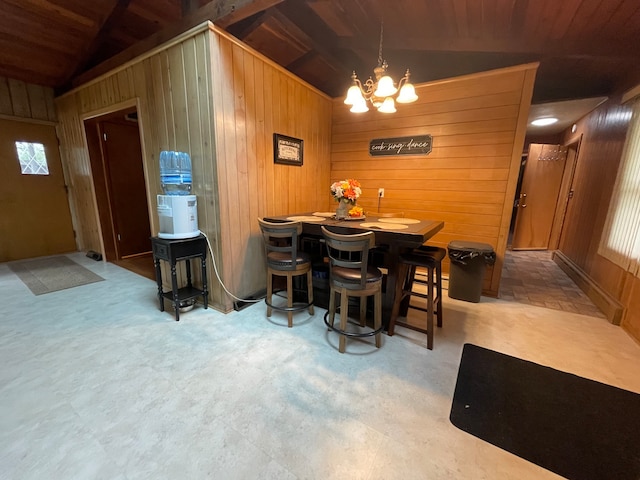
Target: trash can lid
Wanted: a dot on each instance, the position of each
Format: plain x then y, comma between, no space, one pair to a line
470,246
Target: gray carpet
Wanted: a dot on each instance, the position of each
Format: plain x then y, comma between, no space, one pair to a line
46,275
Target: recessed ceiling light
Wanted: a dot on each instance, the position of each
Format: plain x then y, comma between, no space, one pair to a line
541,122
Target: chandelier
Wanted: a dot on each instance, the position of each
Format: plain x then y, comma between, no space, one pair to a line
381,93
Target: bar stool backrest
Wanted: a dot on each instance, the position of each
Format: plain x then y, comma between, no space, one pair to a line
349,251
281,243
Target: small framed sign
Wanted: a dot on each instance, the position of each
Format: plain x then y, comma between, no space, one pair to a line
287,150
416,145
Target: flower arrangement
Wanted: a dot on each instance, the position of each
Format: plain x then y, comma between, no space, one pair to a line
346,190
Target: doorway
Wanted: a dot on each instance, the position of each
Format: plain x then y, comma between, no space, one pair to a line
538,196
529,274
118,174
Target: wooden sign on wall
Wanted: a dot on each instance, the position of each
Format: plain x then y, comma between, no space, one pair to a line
416,145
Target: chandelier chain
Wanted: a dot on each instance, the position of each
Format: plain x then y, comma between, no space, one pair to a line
380,59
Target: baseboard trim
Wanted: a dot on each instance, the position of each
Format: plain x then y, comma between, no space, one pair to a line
612,309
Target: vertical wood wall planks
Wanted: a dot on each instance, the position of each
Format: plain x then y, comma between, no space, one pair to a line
210,95
26,100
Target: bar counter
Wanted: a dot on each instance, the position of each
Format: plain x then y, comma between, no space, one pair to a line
393,237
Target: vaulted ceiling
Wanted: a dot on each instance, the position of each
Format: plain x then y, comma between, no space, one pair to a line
586,48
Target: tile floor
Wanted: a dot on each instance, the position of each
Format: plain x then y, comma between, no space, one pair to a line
534,278
97,383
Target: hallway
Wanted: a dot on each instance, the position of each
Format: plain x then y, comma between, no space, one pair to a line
533,278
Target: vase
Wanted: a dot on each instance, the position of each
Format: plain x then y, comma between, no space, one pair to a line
342,211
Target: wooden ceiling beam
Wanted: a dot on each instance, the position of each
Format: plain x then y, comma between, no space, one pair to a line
324,41
212,11
301,61
245,27
118,9
188,6
256,7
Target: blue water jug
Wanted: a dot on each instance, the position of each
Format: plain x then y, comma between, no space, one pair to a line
175,173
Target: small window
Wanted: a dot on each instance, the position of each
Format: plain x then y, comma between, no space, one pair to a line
33,160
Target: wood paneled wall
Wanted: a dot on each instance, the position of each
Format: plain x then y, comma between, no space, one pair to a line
207,94
478,125
254,98
602,135
631,301
22,100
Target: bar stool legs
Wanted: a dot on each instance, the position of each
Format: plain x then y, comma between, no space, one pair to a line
269,293
350,275
290,291
431,259
285,260
344,317
436,282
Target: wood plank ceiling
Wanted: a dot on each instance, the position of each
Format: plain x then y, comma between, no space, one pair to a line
586,48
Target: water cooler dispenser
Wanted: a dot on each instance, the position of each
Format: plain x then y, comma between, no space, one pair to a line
177,208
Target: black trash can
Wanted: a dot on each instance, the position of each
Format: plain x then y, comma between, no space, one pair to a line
468,265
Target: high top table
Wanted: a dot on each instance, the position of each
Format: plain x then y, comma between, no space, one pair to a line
392,238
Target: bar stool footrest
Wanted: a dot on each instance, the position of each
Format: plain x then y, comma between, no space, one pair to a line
423,309
436,300
296,307
412,327
350,334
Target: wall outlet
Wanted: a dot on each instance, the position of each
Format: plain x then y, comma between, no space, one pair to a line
380,192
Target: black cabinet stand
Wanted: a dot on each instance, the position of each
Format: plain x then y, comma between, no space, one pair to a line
174,251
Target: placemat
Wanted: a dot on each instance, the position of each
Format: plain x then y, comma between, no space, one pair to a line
324,214
305,218
383,226
405,221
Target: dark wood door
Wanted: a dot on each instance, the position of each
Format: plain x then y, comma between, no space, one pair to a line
127,189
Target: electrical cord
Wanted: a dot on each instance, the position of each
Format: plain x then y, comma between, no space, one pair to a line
215,269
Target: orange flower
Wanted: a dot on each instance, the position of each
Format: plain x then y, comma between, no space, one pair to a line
356,212
346,189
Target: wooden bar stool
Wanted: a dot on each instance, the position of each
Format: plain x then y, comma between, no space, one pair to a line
429,258
284,259
351,275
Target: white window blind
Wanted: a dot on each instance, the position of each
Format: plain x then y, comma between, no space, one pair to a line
620,240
